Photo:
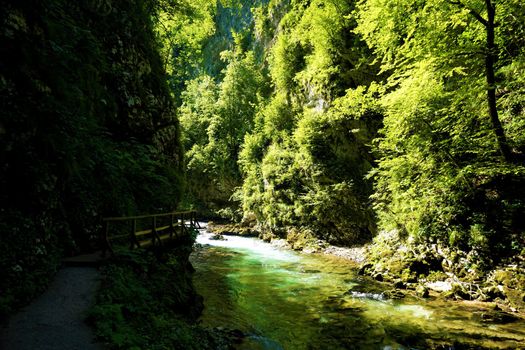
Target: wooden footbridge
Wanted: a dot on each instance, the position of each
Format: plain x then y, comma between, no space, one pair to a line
142,231
145,231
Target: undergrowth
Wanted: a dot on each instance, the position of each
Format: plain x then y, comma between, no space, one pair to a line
148,302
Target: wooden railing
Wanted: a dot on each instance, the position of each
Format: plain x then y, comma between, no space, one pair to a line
147,230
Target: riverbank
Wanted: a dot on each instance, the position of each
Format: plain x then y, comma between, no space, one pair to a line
293,300
433,267
147,301
295,239
421,270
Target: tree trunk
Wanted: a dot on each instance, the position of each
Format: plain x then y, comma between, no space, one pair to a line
490,59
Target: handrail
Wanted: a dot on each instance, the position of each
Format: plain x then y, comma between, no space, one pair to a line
140,239
124,218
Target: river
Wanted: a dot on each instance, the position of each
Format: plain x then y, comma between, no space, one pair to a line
287,300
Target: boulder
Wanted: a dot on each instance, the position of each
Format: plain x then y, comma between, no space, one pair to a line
394,294
364,269
378,277
459,291
439,286
492,292
422,291
400,284
217,237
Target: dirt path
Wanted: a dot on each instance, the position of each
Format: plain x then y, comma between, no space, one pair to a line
55,321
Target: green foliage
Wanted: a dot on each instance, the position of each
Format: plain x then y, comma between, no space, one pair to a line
215,119
272,154
316,56
315,177
305,162
148,304
182,29
440,175
233,18
336,70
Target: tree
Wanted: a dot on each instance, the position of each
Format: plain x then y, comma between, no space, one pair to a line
441,173
449,35
216,118
305,162
182,28
490,60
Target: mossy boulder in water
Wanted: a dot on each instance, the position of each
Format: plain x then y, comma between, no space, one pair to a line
396,259
394,294
218,237
508,283
231,230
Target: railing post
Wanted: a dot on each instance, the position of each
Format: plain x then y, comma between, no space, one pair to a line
133,238
172,227
154,230
196,221
182,224
105,238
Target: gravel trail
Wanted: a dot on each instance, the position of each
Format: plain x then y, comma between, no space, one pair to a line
55,320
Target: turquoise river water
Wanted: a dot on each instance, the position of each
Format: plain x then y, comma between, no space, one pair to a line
287,300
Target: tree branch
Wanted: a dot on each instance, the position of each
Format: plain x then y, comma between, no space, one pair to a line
475,14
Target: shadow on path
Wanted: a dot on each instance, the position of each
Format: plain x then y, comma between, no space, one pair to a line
56,319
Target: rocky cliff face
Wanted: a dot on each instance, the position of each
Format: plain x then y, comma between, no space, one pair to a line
87,129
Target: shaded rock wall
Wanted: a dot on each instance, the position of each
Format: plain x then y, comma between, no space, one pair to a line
87,129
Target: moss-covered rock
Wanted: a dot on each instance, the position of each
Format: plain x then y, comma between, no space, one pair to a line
422,291
229,229
302,239
148,301
454,273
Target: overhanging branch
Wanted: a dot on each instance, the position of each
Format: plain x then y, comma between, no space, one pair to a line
474,13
